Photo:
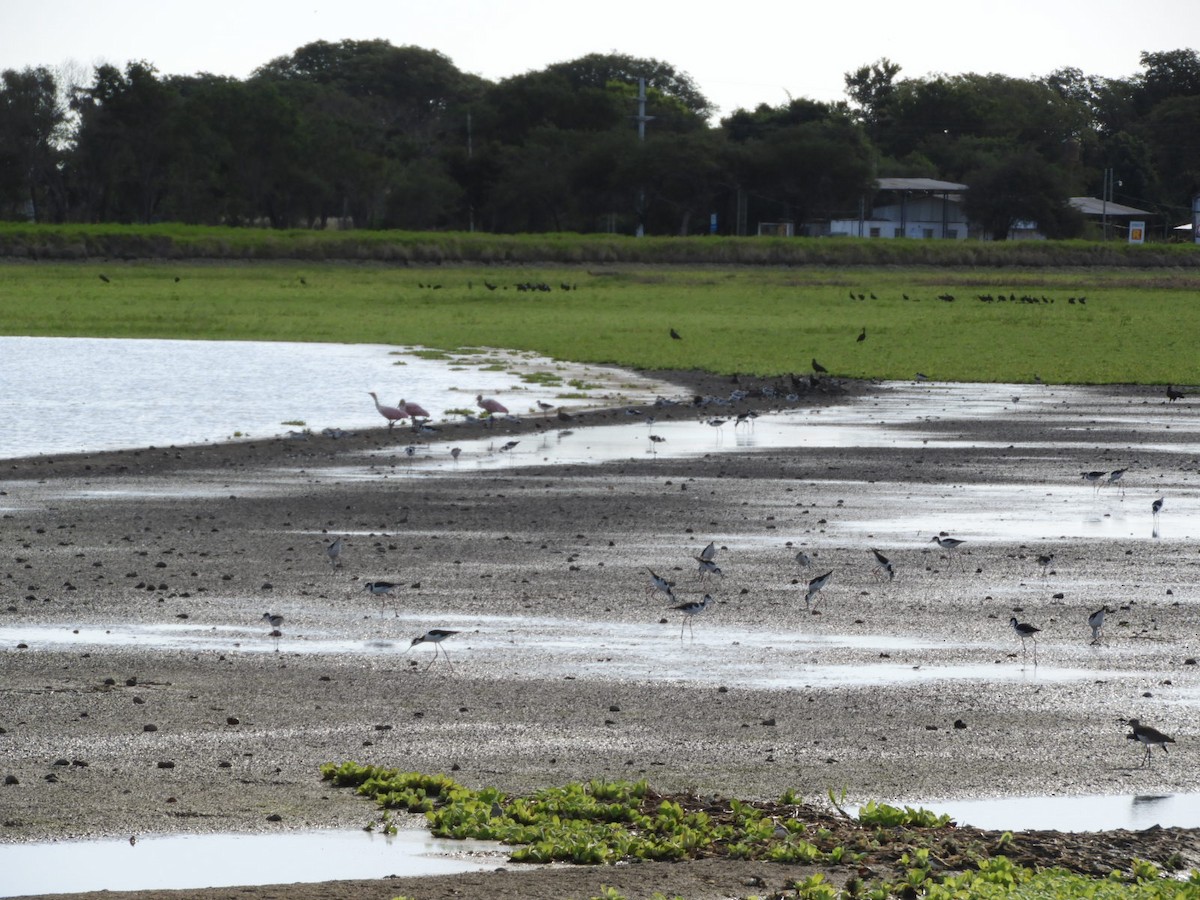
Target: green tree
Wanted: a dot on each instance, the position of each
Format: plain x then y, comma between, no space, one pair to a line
1020,187
32,132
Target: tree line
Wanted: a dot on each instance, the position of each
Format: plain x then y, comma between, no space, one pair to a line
372,135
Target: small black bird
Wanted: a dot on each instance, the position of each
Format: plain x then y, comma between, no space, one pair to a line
862,335
818,368
675,335
104,278
1172,394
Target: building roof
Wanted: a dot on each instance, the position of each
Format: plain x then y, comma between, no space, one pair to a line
1091,206
918,184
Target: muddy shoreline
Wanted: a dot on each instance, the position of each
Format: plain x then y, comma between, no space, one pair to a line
565,667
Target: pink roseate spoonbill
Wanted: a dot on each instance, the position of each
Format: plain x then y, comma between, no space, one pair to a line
491,406
414,410
391,413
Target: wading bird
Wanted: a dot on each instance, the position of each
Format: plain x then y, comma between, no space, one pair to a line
658,583
1096,623
1150,737
414,410
380,589
949,544
883,565
1025,630
334,552
435,636
489,405
393,414
1155,509
815,586
690,610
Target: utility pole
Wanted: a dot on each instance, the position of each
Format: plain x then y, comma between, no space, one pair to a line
641,118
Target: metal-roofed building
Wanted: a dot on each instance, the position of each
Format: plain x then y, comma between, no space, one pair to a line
911,208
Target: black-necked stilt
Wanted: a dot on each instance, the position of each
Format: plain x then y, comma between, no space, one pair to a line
803,560
883,564
1044,561
691,609
815,586
1025,630
274,620
949,544
709,553
708,568
1096,623
545,407
435,636
455,453
658,583
1150,737
1093,478
334,552
1115,476
380,589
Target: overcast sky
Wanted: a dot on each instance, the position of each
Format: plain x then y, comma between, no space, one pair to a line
739,54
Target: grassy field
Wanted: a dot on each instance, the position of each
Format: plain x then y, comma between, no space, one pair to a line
1127,325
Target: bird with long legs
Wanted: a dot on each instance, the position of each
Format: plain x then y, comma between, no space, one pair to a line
393,414
333,551
690,610
1025,631
380,589
658,583
1114,479
1148,737
1044,561
1093,478
949,544
1155,509
274,622
435,636
1096,623
883,566
491,406
414,411
815,586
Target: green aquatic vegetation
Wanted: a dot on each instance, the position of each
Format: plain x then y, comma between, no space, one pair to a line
874,813
913,852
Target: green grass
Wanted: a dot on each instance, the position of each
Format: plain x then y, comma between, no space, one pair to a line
1136,327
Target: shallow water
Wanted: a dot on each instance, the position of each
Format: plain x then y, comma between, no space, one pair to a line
219,860
1103,813
710,653
89,394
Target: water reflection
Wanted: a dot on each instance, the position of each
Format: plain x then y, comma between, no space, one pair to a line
1097,813
221,860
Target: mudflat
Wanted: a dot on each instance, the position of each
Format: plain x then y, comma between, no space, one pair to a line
143,692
